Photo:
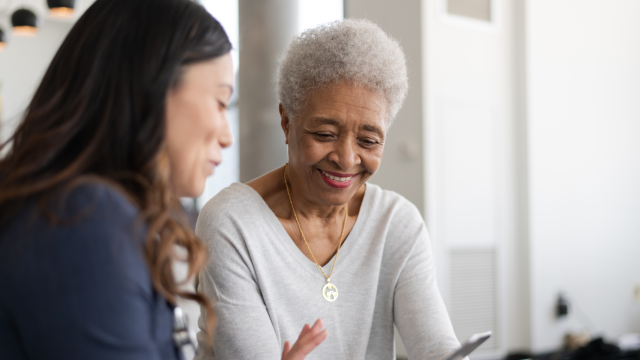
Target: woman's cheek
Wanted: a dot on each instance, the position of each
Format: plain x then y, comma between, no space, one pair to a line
305,149
189,173
373,160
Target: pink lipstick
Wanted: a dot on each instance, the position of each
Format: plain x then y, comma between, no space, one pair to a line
337,180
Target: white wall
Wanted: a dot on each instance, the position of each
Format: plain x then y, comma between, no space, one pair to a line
25,59
472,152
22,65
584,143
402,168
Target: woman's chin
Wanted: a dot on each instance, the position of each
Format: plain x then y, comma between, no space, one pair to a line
192,191
336,196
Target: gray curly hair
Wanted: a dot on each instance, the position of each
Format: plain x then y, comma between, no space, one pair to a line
356,51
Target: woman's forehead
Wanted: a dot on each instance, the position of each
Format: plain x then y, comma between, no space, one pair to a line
341,104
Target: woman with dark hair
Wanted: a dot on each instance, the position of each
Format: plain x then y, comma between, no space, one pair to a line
130,116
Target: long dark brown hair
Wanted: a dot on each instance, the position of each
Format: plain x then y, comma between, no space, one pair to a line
99,113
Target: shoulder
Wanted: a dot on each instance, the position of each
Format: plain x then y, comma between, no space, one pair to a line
94,209
394,218
91,216
233,206
387,203
92,231
94,214
92,199
399,225
229,201
85,273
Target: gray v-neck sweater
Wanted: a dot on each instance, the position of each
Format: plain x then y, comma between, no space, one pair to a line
265,289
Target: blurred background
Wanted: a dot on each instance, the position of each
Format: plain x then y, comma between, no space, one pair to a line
519,142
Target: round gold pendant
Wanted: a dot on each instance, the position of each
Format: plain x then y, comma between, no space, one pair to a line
330,292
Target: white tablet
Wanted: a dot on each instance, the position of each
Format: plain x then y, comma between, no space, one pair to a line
471,344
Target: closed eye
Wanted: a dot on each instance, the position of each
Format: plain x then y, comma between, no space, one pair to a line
323,136
369,142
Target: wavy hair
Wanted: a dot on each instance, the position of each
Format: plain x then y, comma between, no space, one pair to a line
99,113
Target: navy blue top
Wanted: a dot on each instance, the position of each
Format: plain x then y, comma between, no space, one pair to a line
80,289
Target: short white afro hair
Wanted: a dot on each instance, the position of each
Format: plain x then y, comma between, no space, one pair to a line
355,51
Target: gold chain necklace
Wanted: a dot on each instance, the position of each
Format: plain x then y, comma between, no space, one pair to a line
329,290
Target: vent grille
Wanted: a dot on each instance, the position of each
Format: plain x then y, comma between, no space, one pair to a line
473,294
475,9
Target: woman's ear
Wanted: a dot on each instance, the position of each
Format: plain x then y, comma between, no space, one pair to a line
284,122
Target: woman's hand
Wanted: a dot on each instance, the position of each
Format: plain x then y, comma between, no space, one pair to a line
309,338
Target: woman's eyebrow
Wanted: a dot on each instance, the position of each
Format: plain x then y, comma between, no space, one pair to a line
328,121
374,129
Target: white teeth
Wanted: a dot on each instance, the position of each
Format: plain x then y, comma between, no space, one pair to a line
335,178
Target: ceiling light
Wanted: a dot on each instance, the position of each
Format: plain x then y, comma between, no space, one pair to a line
3,40
25,22
61,8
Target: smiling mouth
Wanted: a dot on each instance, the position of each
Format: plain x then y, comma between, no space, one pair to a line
337,178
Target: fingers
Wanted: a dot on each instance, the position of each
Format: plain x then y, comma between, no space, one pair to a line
306,345
305,329
309,339
317,326
285,351
315,329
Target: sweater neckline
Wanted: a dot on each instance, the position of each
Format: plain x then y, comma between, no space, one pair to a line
347,246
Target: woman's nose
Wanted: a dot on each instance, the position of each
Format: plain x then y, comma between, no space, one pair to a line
345,154
226,137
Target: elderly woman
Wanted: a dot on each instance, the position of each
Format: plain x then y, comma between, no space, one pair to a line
313,239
